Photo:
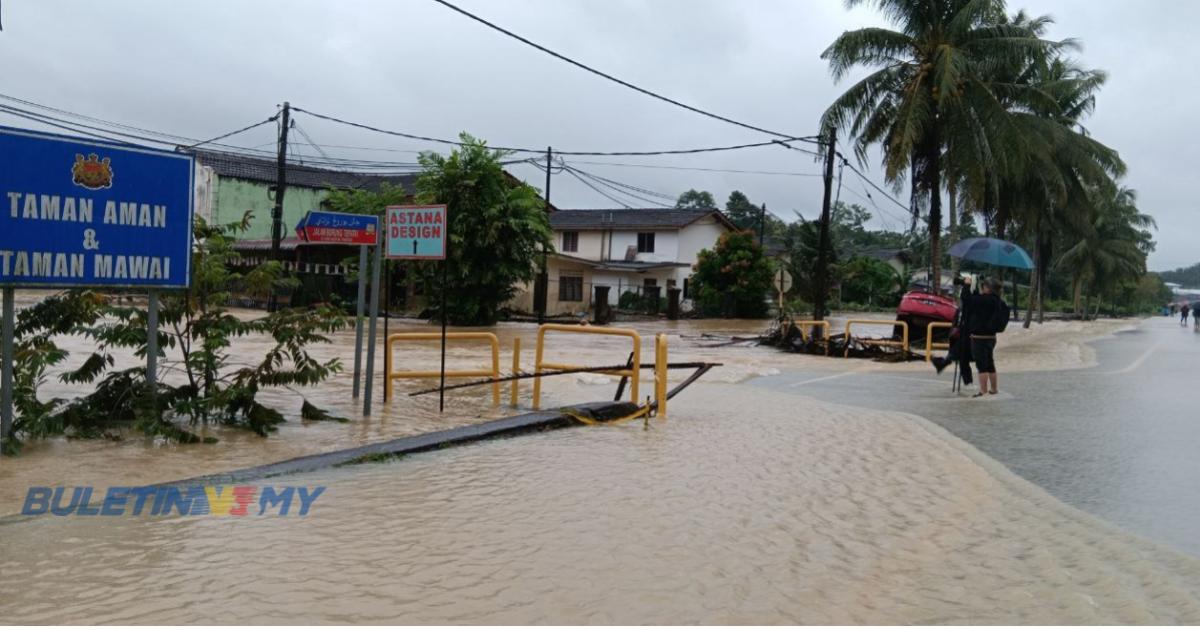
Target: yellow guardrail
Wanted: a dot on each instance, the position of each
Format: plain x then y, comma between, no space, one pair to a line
823,325
494,372
930,346
540,364
516,370
660,374
902,344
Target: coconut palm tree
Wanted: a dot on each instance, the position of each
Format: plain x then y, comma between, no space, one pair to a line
934,86
1111,248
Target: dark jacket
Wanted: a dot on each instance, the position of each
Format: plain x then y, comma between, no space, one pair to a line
978,311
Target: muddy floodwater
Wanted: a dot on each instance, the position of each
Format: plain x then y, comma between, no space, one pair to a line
752,503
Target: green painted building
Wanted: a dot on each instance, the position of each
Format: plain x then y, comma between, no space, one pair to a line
229,185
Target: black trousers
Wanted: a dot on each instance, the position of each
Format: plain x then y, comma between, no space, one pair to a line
983,350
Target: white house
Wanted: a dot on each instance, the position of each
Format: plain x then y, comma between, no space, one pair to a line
624,250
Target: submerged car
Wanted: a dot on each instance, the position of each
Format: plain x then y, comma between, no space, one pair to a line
920,307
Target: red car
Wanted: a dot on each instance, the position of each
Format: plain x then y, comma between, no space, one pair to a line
920,307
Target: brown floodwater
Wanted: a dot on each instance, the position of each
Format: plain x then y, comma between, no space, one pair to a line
135,460
747,505
779,509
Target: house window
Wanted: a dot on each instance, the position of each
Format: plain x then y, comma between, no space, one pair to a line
645,242
686,294
649,282
570,241
570,288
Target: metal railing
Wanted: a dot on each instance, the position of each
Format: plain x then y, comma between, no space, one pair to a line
390,375
902,344
632,372
930,346
660,375
804,324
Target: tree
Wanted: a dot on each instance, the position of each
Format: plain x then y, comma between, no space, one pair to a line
932,89
497,226
869,280
733,279
196,339
697,200
1111,249
738,208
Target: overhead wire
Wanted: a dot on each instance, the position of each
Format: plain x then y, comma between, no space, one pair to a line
630,187
696,168
598,191
652,203
234,133
412,136
627,84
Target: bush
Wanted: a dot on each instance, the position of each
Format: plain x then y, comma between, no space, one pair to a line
734,279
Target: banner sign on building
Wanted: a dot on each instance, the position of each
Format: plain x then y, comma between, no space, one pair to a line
416,232
76,212
337,228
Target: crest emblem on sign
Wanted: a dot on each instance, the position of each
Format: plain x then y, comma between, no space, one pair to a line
92,173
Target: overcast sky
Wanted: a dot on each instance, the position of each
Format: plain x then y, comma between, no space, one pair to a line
199,69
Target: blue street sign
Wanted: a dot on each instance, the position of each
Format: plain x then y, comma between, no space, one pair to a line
76,212
416,232
338,228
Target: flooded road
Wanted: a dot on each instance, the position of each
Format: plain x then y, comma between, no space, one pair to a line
1119,440
789,510
760,500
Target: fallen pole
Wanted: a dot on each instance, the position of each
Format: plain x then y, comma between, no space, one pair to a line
695,365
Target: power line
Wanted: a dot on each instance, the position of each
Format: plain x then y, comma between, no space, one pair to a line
412,136
619,81
696,168
631,187
653,203
874,185
236,132
601,192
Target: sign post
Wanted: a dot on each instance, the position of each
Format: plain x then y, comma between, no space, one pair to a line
339,228
372,339
6,367
783,284
76,212
419,233
358,318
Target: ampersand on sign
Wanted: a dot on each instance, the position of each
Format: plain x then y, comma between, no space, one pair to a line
89,240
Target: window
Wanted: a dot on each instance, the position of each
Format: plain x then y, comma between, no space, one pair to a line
570,288
570,241
645,242
686,295
649,282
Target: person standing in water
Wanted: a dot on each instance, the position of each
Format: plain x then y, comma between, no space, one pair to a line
1183,312
981,310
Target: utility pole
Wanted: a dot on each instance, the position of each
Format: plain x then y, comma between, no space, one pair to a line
541,286
762,224
280,190
822,270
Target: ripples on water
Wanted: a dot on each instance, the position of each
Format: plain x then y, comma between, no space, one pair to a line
783,510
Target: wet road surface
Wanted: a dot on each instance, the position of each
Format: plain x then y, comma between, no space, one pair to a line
1120,440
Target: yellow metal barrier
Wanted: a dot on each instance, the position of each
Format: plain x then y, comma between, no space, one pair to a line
823,325
539,365
494,372
930,346
903,344
516,370
660,374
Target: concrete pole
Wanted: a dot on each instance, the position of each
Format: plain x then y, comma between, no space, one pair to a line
6,365
358,319
373,333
